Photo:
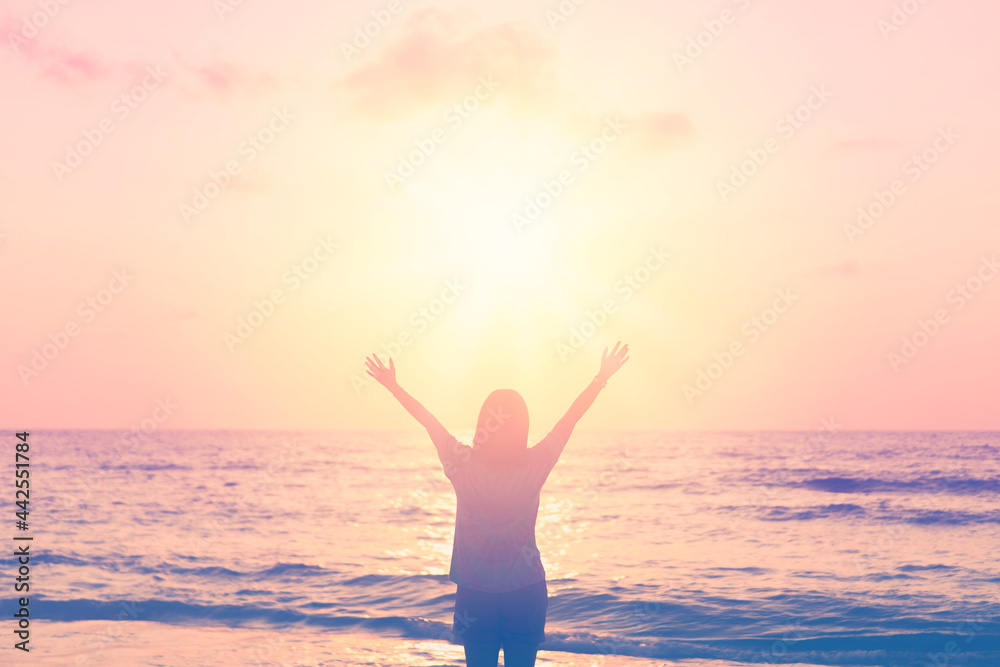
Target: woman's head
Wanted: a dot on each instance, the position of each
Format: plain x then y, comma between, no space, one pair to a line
502,430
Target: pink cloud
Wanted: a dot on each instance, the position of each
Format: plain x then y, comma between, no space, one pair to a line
439,56
68,66
443,54
61,64
64,65
223,78
658,131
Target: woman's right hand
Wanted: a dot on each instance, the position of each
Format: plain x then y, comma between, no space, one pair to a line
611,362
385,376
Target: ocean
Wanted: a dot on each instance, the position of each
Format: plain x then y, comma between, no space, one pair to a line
661,548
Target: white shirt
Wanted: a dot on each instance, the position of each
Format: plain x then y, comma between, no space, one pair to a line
494,548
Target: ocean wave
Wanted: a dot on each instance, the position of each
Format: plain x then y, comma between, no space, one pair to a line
811,513
880,514
210,571
50,558
144,467
297,569
901,649
923,568
377,579
925,485
663,486
135,564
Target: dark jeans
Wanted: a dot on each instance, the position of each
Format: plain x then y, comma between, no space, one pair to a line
514,620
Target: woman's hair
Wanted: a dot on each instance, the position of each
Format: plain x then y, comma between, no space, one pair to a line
501,437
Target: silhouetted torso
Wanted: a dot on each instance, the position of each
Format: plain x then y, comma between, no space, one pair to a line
494,548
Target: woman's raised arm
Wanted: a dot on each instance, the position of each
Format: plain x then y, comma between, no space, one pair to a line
610,363
386,376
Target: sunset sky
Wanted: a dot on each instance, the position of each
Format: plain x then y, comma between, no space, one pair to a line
170,169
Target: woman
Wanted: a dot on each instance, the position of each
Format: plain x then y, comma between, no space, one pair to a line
502,597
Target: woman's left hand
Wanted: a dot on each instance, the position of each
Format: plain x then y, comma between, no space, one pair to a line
610,363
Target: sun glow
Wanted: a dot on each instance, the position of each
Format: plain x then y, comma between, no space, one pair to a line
473,200
513,272
525,279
